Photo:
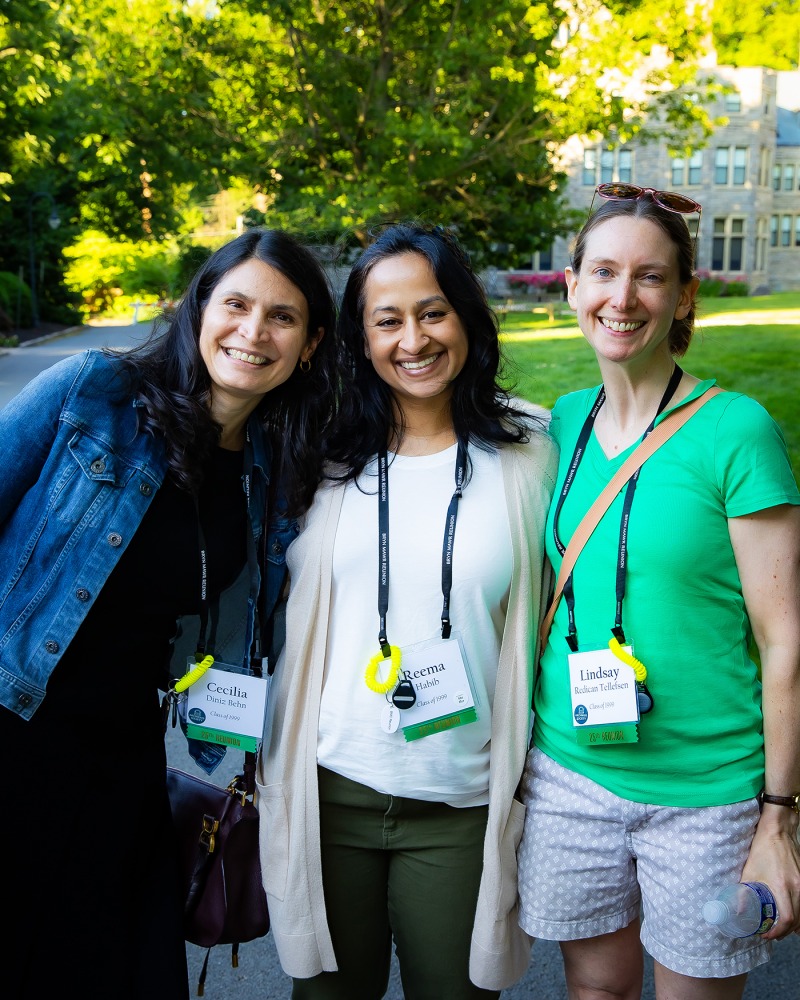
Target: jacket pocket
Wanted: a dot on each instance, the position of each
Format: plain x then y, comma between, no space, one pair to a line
86,474
273,838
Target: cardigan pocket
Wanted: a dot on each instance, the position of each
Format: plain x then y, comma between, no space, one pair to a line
273,838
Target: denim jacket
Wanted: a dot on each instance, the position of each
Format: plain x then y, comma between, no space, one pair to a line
76,478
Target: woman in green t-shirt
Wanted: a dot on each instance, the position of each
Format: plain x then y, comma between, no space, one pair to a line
655,733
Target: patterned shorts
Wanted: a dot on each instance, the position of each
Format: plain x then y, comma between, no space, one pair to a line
591,862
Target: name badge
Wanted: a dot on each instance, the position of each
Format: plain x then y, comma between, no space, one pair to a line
603,695
444,699
227,707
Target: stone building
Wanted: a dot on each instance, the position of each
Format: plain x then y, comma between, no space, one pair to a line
746,177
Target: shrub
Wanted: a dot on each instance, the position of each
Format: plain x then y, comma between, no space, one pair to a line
553,282
15,299
717,287
711,288
110,273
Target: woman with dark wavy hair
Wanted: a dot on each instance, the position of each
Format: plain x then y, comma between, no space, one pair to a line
137,487
401,703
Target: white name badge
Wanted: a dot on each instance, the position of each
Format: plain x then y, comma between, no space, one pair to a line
439,674
227,708
602,688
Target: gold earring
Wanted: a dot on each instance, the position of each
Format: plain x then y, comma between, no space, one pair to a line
305,366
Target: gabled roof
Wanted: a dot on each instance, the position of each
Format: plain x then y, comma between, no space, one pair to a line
788,127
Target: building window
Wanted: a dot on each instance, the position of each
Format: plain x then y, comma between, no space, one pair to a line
736,245
761,243
797,230
610,164
786,230
589,166
727,246
773,231
625,165
776,177
721,157
606,166
788,177
687,171
543,260
739,165
695,169
733,102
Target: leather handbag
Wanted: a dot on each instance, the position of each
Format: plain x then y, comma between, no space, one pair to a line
217,834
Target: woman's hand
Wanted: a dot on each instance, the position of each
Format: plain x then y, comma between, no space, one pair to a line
775,860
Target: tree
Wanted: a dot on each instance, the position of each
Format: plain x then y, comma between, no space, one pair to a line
748,33
336,114
433,108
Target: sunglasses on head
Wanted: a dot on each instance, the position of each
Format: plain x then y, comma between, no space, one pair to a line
670,200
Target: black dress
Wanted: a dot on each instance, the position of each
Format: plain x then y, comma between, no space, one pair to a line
86,844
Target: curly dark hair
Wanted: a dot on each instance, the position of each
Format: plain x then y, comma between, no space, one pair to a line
482,411
173,386
674,228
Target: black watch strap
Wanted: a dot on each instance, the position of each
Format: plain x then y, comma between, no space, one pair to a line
790,801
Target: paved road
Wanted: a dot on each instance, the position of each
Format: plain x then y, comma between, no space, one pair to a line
259,976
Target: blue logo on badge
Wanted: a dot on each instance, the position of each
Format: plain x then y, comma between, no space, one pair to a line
581,714
197,715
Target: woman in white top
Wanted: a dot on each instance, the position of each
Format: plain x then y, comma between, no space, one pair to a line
401,704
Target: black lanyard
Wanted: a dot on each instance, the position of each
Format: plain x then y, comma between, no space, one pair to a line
447,544
622,550
210,609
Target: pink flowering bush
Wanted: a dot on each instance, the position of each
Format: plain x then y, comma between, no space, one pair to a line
714,286
552,282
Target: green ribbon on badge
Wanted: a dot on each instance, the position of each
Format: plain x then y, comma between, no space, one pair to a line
439,725
606,736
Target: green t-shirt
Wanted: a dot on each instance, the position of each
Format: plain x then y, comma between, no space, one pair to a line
683,610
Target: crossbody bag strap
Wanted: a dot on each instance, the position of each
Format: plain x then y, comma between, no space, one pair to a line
668,426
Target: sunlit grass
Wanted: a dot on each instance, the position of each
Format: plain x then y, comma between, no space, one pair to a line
749,345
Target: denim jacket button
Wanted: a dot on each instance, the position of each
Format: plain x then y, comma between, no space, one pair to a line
82,594
98,466
145,489
277,548
115,539
24,700
51,646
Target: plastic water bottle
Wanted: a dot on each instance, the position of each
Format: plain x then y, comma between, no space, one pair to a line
742,910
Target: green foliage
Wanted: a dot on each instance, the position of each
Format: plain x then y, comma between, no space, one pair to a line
711,288
189,260
335,114
109,274
753,33
15,299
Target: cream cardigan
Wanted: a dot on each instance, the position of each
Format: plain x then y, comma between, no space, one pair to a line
287,773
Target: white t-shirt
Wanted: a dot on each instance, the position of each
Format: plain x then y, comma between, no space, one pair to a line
451,766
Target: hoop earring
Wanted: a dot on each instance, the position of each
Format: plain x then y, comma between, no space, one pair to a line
305,366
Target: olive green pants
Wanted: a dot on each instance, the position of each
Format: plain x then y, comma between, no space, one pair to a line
402,869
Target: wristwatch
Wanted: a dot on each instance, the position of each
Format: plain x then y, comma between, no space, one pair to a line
790,801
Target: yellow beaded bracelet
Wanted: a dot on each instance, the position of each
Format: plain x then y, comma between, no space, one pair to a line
371,674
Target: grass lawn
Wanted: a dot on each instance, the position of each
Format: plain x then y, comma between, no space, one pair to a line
750,345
